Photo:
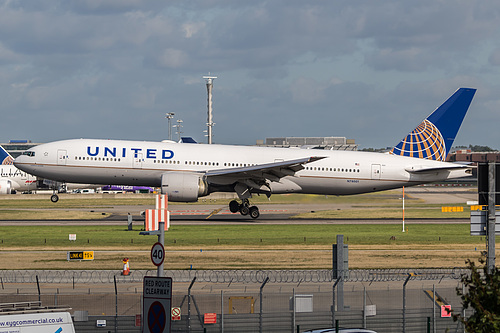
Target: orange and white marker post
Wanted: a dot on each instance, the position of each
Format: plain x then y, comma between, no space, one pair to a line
126,267
160,214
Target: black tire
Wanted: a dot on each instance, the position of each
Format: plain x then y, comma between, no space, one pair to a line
234,206
254,212
244,210
54,198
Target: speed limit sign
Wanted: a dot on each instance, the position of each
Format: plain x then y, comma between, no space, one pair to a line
157,254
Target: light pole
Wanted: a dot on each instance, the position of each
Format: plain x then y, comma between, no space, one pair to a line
179,126
210,123
169,116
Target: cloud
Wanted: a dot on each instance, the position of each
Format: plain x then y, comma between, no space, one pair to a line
365,70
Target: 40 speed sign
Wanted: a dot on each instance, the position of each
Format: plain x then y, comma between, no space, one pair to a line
157,254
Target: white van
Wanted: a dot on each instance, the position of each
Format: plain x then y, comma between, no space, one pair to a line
40,322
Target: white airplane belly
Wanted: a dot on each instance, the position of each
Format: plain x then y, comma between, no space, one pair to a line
100,175
344,186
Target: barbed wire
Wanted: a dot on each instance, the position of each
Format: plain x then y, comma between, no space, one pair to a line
229,276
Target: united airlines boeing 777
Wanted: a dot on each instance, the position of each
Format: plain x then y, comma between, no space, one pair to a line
187,172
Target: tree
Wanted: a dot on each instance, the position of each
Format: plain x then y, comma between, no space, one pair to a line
482,296
477,148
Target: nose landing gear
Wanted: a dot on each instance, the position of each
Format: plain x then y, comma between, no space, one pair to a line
244,208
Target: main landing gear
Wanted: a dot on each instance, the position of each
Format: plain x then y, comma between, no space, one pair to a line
244,208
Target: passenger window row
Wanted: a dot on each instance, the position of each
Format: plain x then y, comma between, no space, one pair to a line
332,169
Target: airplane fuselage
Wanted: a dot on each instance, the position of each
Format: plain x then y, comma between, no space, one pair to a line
120,162
17,180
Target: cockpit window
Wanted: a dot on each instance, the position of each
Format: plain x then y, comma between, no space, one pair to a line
29,153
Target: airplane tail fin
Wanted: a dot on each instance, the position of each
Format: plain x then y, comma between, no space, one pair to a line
5,157
433,138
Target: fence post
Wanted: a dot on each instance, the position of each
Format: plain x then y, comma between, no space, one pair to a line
293,308
260,310
364,307
38,286
434,308
463,308
222,311
189,305
333,300
404,303
116,304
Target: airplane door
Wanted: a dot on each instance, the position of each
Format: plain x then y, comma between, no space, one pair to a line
62,156
138,161
376,171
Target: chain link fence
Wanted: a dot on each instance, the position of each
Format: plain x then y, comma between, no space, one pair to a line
242,311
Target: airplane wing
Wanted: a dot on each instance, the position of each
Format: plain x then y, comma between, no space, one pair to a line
258,176
424,169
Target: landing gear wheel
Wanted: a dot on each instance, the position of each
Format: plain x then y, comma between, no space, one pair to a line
54,198
244,209
254,212
234,206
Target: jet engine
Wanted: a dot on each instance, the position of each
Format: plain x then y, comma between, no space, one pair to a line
5,186
183,186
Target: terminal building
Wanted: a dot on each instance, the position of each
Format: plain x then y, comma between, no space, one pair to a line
327,142
17,147
465,155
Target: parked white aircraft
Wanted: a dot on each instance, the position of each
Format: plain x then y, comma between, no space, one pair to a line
188,171
11,178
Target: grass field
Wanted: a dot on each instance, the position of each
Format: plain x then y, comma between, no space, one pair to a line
242,247
104,237
259,246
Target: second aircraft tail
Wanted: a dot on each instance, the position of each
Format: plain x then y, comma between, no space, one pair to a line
433,138
5,158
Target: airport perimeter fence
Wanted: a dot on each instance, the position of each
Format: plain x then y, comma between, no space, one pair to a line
381,300
228,276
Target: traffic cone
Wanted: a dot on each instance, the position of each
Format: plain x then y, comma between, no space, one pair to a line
126,267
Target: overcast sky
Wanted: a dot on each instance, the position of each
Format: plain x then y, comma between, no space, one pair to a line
365,70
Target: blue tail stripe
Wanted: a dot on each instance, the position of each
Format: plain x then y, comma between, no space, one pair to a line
434,137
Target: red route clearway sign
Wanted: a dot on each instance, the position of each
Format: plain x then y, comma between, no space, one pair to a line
157,302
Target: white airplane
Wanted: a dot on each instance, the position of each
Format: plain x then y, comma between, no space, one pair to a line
11,178
187,172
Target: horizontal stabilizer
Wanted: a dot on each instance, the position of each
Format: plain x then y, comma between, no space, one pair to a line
188,139
426,169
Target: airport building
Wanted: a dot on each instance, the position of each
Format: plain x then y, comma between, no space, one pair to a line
465,155
17,147
330,142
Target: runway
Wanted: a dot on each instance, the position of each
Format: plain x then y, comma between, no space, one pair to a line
201,214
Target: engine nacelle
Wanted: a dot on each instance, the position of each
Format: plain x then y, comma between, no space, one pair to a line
183,186
5,186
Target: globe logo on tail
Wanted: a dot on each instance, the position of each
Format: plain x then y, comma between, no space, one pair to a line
8,161
425,141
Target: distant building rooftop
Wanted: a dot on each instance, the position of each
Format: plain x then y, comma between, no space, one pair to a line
327,142
18,147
